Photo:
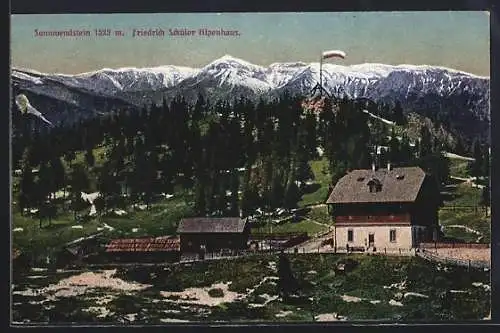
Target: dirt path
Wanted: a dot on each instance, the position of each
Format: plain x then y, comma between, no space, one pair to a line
316,222
316,206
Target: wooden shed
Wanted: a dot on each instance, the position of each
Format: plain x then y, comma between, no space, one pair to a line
213,234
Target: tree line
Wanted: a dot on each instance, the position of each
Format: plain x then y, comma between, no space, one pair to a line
233,155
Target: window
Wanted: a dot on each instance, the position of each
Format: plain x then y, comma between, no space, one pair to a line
350,235
375,185
392,235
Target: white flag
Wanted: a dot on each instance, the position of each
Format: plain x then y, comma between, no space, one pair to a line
333,53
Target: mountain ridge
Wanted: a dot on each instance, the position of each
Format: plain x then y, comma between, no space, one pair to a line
419,88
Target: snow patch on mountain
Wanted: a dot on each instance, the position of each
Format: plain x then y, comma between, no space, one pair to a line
411,84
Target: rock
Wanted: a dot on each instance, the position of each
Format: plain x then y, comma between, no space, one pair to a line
395,303
408,294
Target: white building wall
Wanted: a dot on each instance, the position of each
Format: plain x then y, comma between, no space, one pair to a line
381,237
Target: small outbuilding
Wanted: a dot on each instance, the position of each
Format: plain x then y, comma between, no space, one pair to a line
148,249
213,234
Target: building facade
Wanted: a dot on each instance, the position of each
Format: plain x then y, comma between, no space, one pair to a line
384,209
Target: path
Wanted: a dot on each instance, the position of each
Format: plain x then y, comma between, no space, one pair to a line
458,157
315,205
470,180
316,222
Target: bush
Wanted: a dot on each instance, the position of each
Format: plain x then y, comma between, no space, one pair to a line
216,292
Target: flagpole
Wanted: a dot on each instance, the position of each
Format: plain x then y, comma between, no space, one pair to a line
321,75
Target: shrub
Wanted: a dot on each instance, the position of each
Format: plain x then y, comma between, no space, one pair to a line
216,292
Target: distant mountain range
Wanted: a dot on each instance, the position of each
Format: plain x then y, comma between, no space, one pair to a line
416,87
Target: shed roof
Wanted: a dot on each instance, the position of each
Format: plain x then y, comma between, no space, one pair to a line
211,225
397,185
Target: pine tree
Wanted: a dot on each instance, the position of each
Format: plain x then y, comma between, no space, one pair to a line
485,196
485,167
249,200
26,189
398,115
43,189
234,188
69,157
477,164
199,203
394,149
89,158
79,182
425,142
59,174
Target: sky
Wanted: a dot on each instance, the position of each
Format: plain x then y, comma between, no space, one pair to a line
458,40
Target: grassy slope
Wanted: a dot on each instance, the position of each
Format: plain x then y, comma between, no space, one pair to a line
303,226
316,193
464,195
320,291
163,216
161,219
459,167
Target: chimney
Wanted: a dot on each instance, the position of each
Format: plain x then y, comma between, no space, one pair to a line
389,166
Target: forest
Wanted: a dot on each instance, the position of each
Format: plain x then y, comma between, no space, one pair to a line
235,156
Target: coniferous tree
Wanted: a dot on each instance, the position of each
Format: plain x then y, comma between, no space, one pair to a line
287,283
199,203
59,175
485,167
394,149
89,158
425,144
485,196
234,189
43,189
477,164
26,189
79,182
398,115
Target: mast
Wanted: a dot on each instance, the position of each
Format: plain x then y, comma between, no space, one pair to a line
321,75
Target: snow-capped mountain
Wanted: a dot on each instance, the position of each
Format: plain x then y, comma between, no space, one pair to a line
229,77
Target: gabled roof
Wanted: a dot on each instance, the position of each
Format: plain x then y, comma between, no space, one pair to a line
211,225
397,185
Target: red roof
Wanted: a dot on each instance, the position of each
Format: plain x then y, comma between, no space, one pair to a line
158,244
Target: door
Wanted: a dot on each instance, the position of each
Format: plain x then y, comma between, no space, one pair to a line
371,240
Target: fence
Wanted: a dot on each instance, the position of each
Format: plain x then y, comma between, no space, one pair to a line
452,261
443,245
465,208
380,251
276,235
